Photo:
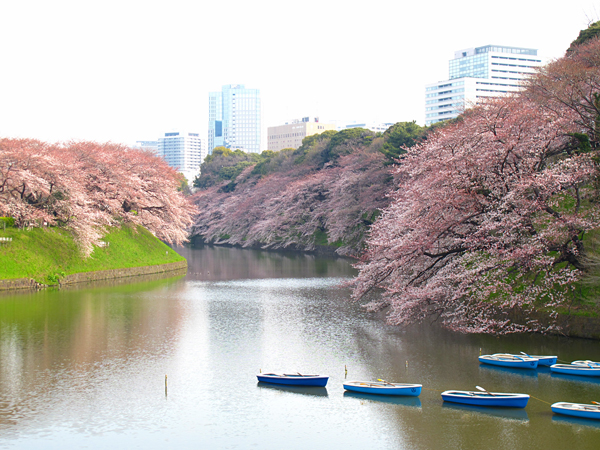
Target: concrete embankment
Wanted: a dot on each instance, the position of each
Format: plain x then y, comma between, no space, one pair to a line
85,277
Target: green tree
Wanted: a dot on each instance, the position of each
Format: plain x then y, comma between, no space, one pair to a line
224,164
184,186
591,32
399,135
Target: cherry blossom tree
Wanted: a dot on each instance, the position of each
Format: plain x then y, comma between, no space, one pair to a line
300,203
572,83
487,221
86,186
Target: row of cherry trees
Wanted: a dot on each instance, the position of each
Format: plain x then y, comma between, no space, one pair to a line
491,211
322,194
86,186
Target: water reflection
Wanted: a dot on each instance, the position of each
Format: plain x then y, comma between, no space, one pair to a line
413,402
577,421
509,371
226,263
86,367
575,378
308,390
504,413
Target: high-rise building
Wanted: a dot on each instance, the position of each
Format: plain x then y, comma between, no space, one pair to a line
183,151
234,118
291,134
475,74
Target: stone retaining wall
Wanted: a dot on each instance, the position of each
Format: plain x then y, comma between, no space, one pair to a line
84,277
19,283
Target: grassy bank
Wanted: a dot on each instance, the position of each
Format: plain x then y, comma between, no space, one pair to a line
46,254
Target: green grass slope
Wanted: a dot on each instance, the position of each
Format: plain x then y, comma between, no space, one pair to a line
47,253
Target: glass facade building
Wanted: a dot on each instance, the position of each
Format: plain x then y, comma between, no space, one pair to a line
475,74
234,118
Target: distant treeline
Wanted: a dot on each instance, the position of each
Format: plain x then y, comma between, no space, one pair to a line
325,193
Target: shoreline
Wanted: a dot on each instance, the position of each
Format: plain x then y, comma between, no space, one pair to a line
13,284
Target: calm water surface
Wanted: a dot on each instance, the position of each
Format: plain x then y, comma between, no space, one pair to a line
85,368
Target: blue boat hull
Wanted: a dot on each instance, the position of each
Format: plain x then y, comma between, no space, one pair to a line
480,399
546,360
294,380
563,408
572,369
411,390
514,364
543,360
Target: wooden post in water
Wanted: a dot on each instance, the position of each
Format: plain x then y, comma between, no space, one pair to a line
345,371
165,385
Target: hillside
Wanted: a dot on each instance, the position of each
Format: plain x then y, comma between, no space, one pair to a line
47,254
326,193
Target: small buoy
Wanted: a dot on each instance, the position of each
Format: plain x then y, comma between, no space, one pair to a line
480,351
259,370
345,370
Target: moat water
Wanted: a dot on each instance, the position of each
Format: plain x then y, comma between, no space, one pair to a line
86,367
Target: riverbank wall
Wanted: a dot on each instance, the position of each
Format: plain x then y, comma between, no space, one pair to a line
569,325
86,277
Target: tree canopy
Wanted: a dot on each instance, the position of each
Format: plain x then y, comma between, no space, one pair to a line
491,210
328,191
86,186
591,32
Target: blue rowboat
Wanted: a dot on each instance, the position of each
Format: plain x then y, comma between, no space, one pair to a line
586,362
577,410
383,388
486,398
293,379
542,360
513,361
545,360
576,369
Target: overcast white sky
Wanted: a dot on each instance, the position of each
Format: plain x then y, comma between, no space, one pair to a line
130,70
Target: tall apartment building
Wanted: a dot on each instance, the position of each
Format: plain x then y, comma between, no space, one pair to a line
234,118
184,151
291,134
477,73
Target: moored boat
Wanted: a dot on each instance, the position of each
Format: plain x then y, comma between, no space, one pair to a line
543,360
576,369
486,398
586,362
577,410
513,361
383,388
296,379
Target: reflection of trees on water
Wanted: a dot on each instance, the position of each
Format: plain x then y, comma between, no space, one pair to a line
215,263
57,338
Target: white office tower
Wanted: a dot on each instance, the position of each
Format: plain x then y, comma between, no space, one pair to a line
183,151
234,118
475,74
